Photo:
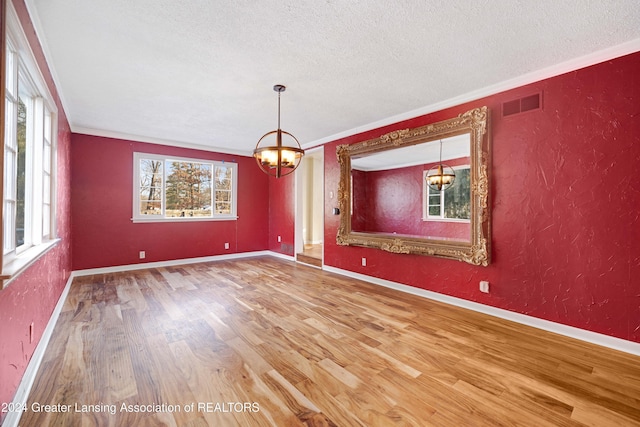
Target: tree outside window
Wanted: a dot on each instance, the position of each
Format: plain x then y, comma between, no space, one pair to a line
453,203
184,188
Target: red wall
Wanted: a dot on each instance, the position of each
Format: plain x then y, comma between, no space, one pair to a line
565,201
282,214
391,201
565,198
102,199
33,295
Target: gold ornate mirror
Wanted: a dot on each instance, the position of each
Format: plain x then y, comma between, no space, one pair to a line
385,201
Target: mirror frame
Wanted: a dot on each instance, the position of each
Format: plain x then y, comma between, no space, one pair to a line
477,251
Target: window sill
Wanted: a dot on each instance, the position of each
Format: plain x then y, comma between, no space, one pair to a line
20,263
184,219
462,221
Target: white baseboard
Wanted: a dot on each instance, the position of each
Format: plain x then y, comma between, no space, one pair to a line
22,393
282,256
24,388
174,262
558,328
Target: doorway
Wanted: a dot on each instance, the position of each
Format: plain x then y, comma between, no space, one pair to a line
310,208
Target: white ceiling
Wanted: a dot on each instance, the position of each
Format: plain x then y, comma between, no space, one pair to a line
200,73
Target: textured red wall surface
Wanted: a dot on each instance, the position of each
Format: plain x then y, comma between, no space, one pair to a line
282,214
103,233
390,201
33,295
565,202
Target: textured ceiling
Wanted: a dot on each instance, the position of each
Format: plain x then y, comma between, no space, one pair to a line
200,73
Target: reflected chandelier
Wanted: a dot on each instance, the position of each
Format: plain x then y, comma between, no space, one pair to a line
278,160
440,177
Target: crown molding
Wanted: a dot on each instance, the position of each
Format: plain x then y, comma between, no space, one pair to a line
158,141
574,64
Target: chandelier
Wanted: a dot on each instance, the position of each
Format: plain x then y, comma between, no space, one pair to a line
440,177
278,160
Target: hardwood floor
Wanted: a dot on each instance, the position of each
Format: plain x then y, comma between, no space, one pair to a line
268,342
311,254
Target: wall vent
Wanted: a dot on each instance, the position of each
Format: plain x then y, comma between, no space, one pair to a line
517,106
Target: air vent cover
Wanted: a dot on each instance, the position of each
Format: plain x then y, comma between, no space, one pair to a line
517,106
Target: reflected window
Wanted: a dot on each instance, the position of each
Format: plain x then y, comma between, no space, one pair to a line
452,204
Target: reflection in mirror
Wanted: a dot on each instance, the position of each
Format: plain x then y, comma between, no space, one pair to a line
390,193
386,203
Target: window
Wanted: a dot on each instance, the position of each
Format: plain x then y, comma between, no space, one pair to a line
170,189
452,204
28,156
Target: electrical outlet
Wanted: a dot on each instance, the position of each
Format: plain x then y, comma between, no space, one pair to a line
364,262
142,255
279,239
484,286
226,245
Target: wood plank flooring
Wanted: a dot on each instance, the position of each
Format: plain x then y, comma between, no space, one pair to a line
311,254
268,342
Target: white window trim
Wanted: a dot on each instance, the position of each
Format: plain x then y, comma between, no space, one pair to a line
425,201
138,218
18,260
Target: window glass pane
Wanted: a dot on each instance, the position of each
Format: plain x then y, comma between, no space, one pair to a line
9,170
434,202
47,125
46,189
10,125
457,198
46,220
223,196
21,170
150,187
46,157
188,192
46,175
9,177
10,72
9,220
46,151
183,188
223,185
